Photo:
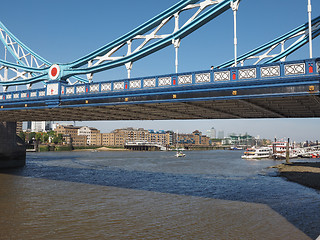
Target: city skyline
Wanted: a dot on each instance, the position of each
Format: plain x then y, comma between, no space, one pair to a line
143,125
71,30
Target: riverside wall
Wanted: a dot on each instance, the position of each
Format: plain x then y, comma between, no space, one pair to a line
12,148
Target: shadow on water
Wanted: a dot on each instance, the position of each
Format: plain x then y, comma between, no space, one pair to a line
298,204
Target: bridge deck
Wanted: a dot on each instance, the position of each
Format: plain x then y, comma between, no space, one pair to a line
289,90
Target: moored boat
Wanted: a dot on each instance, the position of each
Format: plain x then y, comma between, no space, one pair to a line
257,153
279,150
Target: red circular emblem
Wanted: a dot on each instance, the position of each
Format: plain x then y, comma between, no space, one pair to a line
54,71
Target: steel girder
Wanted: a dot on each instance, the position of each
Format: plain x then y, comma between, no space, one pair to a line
103,59
26,67
29,72
263,53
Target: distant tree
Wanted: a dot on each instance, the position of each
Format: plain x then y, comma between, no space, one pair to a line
38,137
30,137
45,137
57,139
22,135
60,137
52,133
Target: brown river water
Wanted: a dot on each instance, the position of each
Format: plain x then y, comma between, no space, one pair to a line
153,195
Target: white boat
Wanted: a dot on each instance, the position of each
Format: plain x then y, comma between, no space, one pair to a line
279,150
308,152
179,151
180,154
257,153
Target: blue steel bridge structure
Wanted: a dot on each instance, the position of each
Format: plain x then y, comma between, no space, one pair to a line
270,87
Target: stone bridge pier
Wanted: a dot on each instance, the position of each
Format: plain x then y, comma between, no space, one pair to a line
12,148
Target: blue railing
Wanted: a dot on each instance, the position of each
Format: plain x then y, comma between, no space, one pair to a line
288,69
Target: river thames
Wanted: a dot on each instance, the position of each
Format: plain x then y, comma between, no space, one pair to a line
153,195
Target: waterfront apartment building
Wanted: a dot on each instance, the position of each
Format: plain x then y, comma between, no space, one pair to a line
79,141
194,139
67,130
162,137
119,137
108,139
81,136
93,135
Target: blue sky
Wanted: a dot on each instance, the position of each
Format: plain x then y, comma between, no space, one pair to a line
62,31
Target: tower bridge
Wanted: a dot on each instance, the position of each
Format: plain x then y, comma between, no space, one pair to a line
270,88
276,90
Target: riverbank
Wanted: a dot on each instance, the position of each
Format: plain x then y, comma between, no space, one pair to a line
63,148
100,149
305,173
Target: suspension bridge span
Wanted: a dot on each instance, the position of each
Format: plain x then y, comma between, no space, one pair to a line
271,87
276,90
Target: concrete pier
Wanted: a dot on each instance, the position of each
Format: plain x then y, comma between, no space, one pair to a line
12,148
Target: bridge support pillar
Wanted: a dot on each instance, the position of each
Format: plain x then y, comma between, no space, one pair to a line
12,148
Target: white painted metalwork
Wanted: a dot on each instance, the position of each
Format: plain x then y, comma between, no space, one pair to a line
42,93
9,96
274,50
21,56
135,84
105,87
235,6
185,79
150,82
176,44
80,89
165,81
294,69
318,67
271,71
152,35
118,85
129,67
33,94
94,88
52,89
23,95
310,33
247,73
69,90
16,95
222,76
202,77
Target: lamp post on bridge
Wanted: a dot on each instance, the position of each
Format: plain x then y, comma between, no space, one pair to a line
310,33
234,6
